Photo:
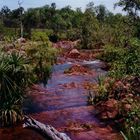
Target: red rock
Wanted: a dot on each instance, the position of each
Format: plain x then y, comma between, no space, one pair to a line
74,53
77,69
109,109
127,107
111,104
112,115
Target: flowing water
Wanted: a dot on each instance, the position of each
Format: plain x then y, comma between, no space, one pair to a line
62,103
64,90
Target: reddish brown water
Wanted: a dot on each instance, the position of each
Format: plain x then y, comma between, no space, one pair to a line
62,103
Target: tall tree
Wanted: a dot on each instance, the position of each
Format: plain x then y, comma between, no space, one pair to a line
20,13
132,7
89,27
5,13
101,13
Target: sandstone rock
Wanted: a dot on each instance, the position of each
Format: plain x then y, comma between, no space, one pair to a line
109,109
74,53
77,69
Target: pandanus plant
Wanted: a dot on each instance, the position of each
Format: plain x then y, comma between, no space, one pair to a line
14,77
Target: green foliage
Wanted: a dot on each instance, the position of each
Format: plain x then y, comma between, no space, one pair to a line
102,90
91,98
131,128
128,101
132,59
132,134
89,29
14,77
132,7
8,34
11,113
95,28
112,53
101,13
123,61
17,70
39,36
42,55
73,34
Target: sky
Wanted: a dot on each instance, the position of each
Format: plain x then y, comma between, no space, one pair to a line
12,4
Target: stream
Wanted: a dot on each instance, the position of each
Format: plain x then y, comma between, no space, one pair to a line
62,103
62,90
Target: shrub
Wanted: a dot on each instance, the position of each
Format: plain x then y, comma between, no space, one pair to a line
11,113
123,61
39,36
112,53
42,55
131,128
73,34
14,77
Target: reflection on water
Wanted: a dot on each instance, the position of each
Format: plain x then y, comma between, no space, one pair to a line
68,89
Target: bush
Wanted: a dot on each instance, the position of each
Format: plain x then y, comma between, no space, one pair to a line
73,34
39,36
8,34
131,127
112,53
42,55
123,61
14,78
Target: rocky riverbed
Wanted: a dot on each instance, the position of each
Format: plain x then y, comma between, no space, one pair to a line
62,103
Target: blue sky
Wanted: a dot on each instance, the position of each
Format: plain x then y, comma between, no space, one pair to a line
12,4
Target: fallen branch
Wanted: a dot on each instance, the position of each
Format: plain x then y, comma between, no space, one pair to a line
46,130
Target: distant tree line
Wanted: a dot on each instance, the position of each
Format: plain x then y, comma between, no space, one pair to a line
96,25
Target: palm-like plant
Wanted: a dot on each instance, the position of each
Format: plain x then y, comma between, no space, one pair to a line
11,112
14,77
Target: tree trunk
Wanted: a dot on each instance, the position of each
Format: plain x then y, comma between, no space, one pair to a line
47,131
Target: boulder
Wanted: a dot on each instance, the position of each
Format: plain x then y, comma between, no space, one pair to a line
74,53
77,69
109,109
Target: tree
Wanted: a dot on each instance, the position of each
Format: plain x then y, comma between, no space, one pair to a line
14,78
53,6
5,13
90,7
30,21
101,13
20,13
89,27
132,7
